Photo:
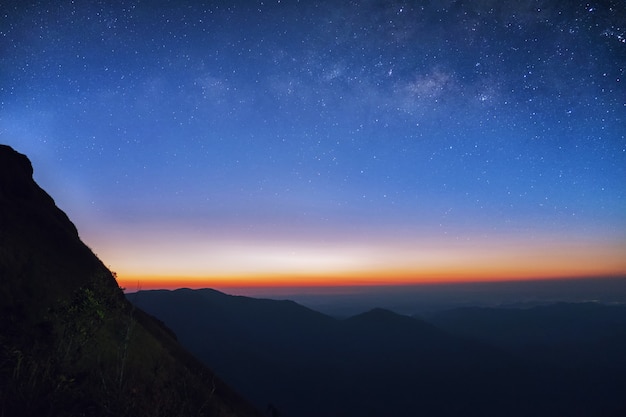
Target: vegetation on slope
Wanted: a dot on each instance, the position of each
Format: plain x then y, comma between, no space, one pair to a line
70,343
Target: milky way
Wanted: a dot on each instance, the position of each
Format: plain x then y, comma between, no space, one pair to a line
312,124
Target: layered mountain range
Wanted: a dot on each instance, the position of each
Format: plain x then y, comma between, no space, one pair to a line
564,359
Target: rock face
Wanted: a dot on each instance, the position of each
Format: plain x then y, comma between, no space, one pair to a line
70,343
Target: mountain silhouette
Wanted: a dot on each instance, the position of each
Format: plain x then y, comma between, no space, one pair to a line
70,343
523,328
287,357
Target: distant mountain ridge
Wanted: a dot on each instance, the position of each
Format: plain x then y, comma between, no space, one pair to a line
70,343
597,331
306,364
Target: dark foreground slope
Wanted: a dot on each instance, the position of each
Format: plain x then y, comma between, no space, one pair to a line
378,363
70,343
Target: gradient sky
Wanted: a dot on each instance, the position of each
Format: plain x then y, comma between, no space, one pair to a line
303,142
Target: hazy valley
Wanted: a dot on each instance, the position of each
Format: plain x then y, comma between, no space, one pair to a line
561,359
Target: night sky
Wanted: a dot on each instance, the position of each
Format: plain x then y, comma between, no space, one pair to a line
303,142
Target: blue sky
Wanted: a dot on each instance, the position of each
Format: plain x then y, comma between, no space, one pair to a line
371,123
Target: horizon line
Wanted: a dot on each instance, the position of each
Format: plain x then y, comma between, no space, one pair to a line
175,283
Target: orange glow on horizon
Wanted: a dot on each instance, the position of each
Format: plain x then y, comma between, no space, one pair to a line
507,268
395,278
167,260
